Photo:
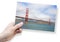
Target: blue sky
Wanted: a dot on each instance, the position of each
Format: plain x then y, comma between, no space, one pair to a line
37,11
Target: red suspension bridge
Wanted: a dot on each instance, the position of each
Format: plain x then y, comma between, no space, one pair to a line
26,17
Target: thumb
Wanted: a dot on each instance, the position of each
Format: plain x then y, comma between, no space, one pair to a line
18,25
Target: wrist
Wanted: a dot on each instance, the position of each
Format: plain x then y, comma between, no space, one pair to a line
2,38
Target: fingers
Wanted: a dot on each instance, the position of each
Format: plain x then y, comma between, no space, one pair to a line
18,25
19,31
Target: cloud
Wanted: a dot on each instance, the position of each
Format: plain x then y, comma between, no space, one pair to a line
36,11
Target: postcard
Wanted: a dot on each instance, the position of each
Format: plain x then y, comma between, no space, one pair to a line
36,16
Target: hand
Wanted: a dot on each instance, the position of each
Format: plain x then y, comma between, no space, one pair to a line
10,31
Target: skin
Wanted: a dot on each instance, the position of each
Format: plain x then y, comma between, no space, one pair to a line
10,31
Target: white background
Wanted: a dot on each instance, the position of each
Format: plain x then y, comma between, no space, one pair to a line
7,15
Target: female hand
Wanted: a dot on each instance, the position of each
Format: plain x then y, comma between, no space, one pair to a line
10,31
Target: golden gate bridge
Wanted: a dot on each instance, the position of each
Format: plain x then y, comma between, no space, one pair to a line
26,17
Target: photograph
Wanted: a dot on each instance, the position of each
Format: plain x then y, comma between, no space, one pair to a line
41,17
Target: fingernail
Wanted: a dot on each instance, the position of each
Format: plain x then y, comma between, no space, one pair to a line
21,22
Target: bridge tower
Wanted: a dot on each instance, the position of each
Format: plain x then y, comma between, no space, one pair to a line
26,16
49,21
